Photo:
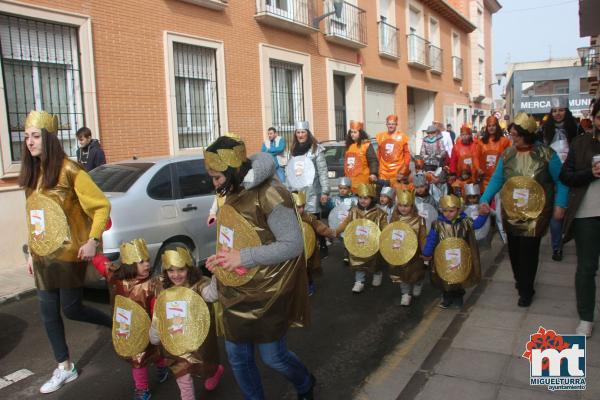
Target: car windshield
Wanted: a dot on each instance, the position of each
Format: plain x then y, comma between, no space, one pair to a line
334,155
118,177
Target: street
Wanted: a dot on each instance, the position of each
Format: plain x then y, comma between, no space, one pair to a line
349,337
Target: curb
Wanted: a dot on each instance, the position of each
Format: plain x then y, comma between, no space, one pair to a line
11,298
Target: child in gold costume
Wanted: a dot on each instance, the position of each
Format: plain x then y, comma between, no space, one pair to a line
179,270
410,275
313,264
367,209
454,223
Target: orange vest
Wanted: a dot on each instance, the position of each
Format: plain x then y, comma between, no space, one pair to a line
392,153
356,166
399,186
489,154
466,158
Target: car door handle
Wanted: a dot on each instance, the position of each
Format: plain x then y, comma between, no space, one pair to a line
189,207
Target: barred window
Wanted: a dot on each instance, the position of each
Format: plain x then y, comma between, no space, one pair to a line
196,95
41,71
287,97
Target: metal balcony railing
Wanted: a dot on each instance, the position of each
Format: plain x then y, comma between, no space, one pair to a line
457,68
590,56
388,40
282,12
436,59
418,51
350,29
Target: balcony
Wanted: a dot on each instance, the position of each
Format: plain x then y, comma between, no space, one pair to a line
350,30
436,60
292,15
457,68
212,4
388,40
418,52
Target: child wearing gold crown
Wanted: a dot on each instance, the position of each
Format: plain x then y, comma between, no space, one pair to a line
132,279
454,223
410,275
367,209
178,270
313,264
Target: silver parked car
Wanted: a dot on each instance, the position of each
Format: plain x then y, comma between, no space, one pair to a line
164,200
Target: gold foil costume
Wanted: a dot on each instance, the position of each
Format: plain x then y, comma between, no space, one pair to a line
204,361
276,298
314,262
414,270
533,164
379,217
86,210
460,229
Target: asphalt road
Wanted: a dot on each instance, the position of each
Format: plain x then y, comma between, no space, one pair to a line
349,336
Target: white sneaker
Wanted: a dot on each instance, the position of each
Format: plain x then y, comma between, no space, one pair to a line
377,278
417,289
405,301
59,378
358,287
585,328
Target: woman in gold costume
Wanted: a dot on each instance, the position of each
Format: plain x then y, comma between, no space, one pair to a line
538,165
257,314
66,215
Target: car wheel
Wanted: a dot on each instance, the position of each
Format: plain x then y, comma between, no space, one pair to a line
157,269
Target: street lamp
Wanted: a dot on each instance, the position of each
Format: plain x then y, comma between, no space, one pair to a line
337,10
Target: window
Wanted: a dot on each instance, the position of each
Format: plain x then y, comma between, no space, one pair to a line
41,71
118,177
287,97
193,179
584,85
545,88
479,24
434,32
161,186
196,95
455,44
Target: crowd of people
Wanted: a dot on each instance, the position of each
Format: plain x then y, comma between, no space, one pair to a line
414,215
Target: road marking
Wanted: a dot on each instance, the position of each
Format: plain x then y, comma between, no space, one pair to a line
14,377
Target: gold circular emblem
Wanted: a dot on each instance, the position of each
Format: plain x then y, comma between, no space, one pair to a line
131,324
233,231
183,320
310,239
452,258
361,238
523,198
47,225
398,243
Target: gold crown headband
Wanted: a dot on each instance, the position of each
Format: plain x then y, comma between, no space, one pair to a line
299,198
42,120
450,201
134,251
365,190
405,198
526,122
178,258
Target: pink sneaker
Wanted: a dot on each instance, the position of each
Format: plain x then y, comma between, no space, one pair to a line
211,383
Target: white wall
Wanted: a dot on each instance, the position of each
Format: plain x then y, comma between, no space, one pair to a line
14,232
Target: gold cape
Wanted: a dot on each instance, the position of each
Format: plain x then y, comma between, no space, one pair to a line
205,360
63,269
414,270
379,217
460,229
276,298
533,164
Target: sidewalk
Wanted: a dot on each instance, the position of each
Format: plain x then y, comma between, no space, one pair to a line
478,356
15,282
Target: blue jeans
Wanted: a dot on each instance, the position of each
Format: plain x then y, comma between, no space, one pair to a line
275,355
51,302
555,233
281,174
